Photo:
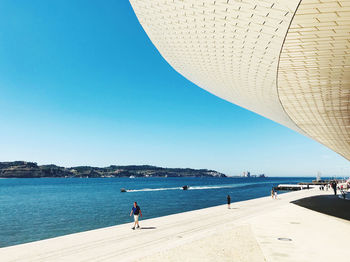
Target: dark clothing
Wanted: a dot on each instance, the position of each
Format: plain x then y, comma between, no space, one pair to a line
228,200
136,210
334,186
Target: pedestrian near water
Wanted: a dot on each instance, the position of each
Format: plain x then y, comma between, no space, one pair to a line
276,194
272,193
334,186
228,201
137,212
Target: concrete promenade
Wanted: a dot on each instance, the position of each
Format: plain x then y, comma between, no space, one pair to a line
249,231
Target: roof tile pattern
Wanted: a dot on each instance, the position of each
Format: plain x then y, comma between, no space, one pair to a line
227,47
287,60
314,72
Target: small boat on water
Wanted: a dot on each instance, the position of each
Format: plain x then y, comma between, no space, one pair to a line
185,187
131,176
122,190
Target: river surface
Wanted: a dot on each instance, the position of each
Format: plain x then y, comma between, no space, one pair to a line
35,209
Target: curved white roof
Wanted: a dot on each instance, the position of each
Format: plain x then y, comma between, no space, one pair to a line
287,60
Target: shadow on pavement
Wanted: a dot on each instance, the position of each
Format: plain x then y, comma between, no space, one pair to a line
330,205
148,228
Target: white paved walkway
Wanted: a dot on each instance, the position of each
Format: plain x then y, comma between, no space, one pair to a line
249,231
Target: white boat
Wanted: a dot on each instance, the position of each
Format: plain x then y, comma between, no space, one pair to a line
131,176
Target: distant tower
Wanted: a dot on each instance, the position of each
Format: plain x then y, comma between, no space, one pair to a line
318,177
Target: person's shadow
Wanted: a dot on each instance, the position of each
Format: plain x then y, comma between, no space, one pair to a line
148,228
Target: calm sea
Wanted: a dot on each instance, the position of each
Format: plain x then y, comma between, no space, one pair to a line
35,209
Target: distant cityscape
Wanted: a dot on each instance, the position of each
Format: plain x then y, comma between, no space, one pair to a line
247,174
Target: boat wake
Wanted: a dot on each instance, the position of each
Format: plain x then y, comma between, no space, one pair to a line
193,187
153,189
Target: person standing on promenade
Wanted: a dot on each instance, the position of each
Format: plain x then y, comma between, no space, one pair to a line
137,212
334,186
272,193
228,201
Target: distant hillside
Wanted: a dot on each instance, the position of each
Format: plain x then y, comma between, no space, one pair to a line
22,169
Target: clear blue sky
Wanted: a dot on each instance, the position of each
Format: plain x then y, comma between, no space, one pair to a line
81,84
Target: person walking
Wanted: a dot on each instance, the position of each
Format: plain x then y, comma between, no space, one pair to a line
137,212
272,193
228,201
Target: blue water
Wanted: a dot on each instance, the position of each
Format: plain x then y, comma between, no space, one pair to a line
35,209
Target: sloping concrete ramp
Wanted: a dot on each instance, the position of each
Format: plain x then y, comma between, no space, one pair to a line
260,229
233,244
